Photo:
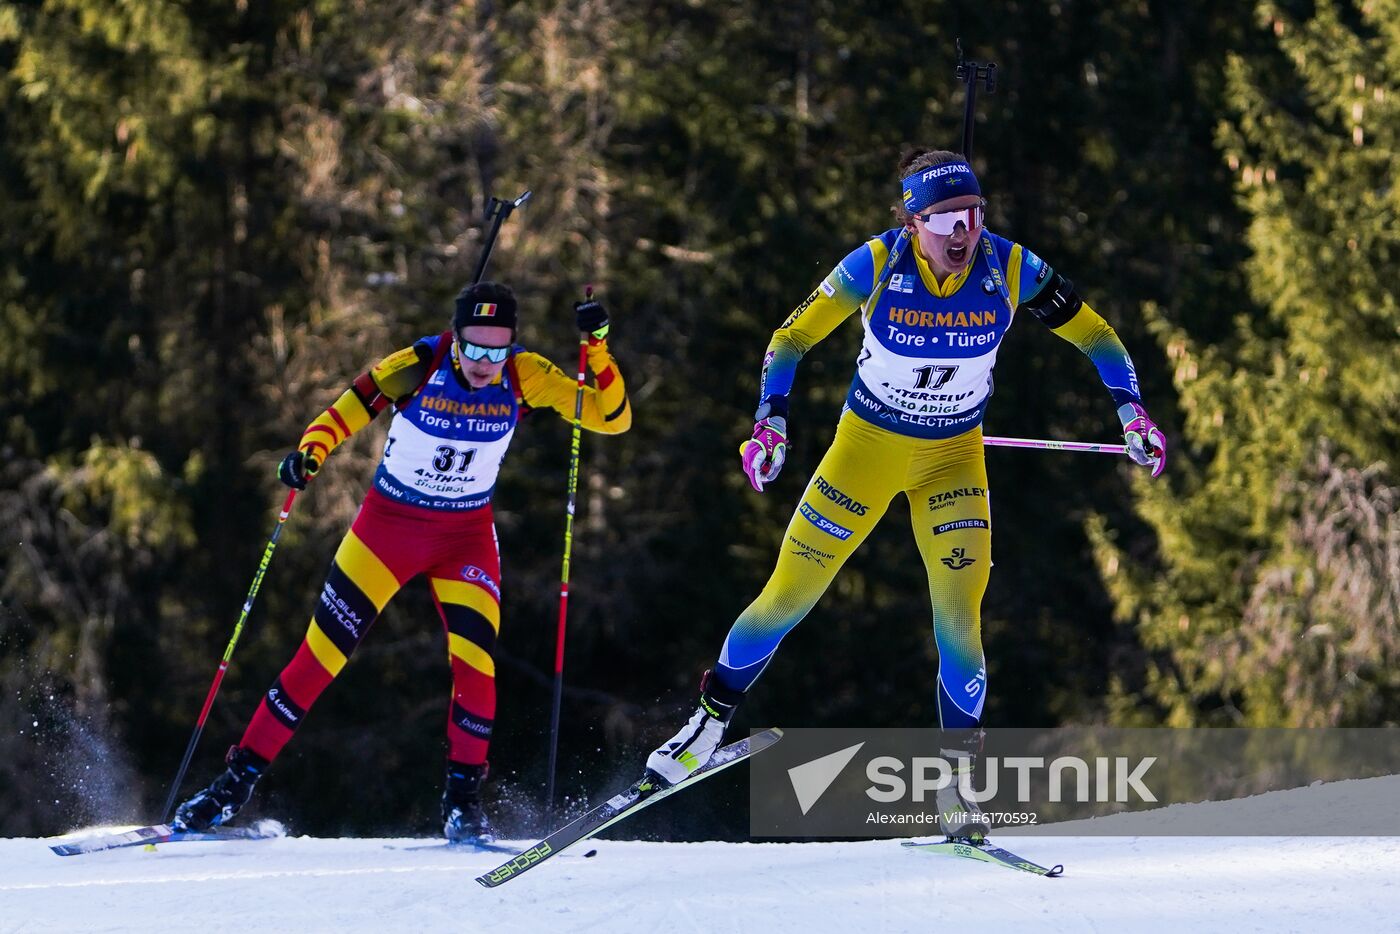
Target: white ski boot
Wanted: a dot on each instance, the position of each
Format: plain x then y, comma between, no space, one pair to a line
680,756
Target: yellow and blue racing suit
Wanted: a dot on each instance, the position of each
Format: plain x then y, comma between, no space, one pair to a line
911,425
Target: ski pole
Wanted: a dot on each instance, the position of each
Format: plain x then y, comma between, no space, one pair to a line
496,211
970,74
1080,446
564,577
228,653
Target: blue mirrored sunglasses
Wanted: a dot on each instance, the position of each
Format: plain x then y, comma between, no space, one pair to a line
476,352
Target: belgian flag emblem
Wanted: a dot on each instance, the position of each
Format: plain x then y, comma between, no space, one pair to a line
485,310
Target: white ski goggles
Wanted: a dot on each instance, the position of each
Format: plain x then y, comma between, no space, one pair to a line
945,222
476,352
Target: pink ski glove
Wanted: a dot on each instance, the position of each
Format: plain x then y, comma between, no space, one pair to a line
764,453
1146,443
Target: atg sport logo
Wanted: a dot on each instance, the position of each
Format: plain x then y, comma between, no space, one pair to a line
823,523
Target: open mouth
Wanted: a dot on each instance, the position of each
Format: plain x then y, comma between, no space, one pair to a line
957,254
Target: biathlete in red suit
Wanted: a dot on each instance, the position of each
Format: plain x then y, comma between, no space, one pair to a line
457,398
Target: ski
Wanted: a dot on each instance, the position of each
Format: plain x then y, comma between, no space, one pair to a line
459,847
157,833
445,847
622,806
986,853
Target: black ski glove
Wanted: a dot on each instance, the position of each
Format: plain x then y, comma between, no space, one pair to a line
297,468
592,318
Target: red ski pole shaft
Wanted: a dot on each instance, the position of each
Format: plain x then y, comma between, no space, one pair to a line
574,446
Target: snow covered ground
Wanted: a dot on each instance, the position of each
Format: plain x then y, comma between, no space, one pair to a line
1119,884
309,885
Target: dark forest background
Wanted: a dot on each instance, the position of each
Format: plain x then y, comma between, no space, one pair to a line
214,215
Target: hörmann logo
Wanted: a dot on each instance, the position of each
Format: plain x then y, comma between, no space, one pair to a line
917,318
839,498
453,407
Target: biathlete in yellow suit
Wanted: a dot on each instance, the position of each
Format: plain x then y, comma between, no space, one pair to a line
457,398
936,297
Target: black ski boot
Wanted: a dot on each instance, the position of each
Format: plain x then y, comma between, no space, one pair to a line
225,796
463,818
959,817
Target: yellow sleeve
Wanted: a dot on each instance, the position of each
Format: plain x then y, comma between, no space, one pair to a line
605,405
844,290
387,381
1097,340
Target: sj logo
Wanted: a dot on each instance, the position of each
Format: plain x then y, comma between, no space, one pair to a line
958,559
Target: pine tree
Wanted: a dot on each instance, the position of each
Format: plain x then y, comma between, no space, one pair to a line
1274,597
